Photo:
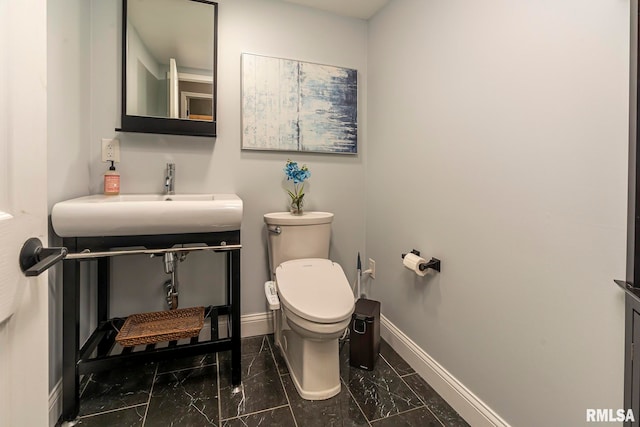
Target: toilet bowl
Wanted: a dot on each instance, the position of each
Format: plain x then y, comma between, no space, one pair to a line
316,307
315,300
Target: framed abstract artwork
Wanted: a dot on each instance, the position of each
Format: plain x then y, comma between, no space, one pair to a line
290,105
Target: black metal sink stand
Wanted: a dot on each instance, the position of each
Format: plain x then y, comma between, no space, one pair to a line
94,355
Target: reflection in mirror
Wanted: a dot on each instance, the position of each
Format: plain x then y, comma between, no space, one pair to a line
169,66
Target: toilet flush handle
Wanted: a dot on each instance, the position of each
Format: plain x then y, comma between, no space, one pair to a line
276,230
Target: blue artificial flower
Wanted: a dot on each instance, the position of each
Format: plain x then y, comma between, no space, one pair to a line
290,169
295,173
298,175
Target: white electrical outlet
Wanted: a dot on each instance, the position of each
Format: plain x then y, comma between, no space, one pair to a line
110,150
372,267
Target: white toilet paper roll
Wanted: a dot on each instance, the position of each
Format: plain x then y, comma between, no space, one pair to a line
413,262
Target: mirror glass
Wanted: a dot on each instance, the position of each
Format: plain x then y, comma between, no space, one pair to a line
169,66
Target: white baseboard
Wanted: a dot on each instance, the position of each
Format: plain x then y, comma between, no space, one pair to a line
468,405
251,325
256,324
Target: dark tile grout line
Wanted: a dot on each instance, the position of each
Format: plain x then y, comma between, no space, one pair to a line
85,384
340,346
413,391
218,392
370,422
343,383
155,375
146,411
281,375
284,389
355,401
188,368
390,417
112,410
239,417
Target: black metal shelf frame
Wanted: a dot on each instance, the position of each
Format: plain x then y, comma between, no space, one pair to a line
94,355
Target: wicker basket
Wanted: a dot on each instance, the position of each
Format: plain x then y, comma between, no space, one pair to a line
159,326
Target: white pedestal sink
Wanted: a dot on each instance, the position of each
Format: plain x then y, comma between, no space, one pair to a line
146,214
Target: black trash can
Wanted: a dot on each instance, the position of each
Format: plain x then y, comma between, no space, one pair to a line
365,334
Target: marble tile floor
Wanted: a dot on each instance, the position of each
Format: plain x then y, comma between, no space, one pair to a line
197,392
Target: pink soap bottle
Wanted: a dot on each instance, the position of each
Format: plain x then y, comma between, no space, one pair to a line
112,181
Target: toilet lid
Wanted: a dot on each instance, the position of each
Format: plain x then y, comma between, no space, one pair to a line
315,289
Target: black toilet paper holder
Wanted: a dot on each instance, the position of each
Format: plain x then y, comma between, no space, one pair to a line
433,263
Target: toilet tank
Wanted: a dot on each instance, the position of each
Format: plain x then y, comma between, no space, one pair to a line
297,236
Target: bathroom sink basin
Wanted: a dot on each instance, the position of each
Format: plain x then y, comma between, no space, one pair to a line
145,214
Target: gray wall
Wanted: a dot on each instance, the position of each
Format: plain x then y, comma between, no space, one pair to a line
85,96
498,135
218,165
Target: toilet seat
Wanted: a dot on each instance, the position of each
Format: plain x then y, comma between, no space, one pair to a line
315,330
315,289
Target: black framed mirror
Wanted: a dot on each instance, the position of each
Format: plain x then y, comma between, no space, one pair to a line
169,61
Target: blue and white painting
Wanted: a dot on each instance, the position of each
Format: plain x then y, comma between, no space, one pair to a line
298,106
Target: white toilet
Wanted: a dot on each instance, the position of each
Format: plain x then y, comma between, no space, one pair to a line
315,298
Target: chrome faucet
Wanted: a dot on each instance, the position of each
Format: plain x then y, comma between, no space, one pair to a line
169,183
